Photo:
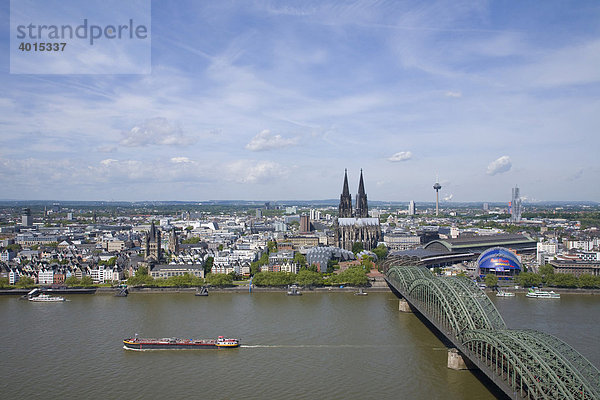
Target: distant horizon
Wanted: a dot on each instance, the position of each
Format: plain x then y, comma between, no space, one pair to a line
328,202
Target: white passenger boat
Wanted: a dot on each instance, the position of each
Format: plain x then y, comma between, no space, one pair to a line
45,298
542,294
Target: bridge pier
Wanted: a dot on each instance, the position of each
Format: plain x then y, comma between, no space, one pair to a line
404,306
457,362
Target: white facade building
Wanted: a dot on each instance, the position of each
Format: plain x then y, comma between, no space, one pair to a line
46,277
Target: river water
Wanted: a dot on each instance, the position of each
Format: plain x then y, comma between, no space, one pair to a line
320,345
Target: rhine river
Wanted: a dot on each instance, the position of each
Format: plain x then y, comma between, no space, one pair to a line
320,345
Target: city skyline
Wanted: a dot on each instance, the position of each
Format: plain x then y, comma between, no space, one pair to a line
273,100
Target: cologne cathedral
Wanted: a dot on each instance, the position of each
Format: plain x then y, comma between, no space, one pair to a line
355,226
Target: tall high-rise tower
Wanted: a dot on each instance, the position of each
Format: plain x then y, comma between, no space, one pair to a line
515,205
26,218
345,207
412,208
362,208
437,188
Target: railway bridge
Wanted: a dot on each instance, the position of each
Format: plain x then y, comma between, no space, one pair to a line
524,364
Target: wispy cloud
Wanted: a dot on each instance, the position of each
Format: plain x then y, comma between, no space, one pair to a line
155,131
252,171
400,156
181,160
499,166
265,140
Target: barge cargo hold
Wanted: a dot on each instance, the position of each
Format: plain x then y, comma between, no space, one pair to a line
179,344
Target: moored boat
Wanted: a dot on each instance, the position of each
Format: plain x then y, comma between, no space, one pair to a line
293,291
203,291
179,344
502,293
45,298
542,294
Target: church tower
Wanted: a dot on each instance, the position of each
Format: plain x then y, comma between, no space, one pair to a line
153,245
173,242
345,207
362,209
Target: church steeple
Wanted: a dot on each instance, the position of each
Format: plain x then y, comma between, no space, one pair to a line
362,209
345,207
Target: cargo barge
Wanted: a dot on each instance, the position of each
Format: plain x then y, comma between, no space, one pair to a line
179,344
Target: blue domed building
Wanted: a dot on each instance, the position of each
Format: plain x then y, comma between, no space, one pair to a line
499,261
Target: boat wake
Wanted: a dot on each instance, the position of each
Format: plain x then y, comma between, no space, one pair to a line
315,346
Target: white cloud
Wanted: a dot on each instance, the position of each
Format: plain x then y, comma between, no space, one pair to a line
453,94
401,156
448,197
181,160
251,171
499,166
108,161
267,141
155,131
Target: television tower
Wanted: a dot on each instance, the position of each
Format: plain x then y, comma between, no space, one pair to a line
437,188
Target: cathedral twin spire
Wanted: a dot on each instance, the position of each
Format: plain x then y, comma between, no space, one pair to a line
345,207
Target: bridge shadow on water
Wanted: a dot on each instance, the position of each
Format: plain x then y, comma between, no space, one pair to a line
477,373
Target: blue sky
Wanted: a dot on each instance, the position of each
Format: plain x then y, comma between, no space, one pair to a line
271,100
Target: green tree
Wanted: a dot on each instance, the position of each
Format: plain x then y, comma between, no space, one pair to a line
588,281
208,265
255,266
528,279
272,246
354,276
72,281
309,278
220,280
87,281
563,280
332,265
192,240
25,282
381,252
300,259
4,283
142,270
367,263
546,271
186,280
220,247
272,279
491,280
141,277
357,247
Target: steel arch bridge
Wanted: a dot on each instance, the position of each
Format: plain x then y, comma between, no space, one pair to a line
523,363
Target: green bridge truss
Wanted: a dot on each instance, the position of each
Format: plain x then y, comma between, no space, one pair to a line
524,363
